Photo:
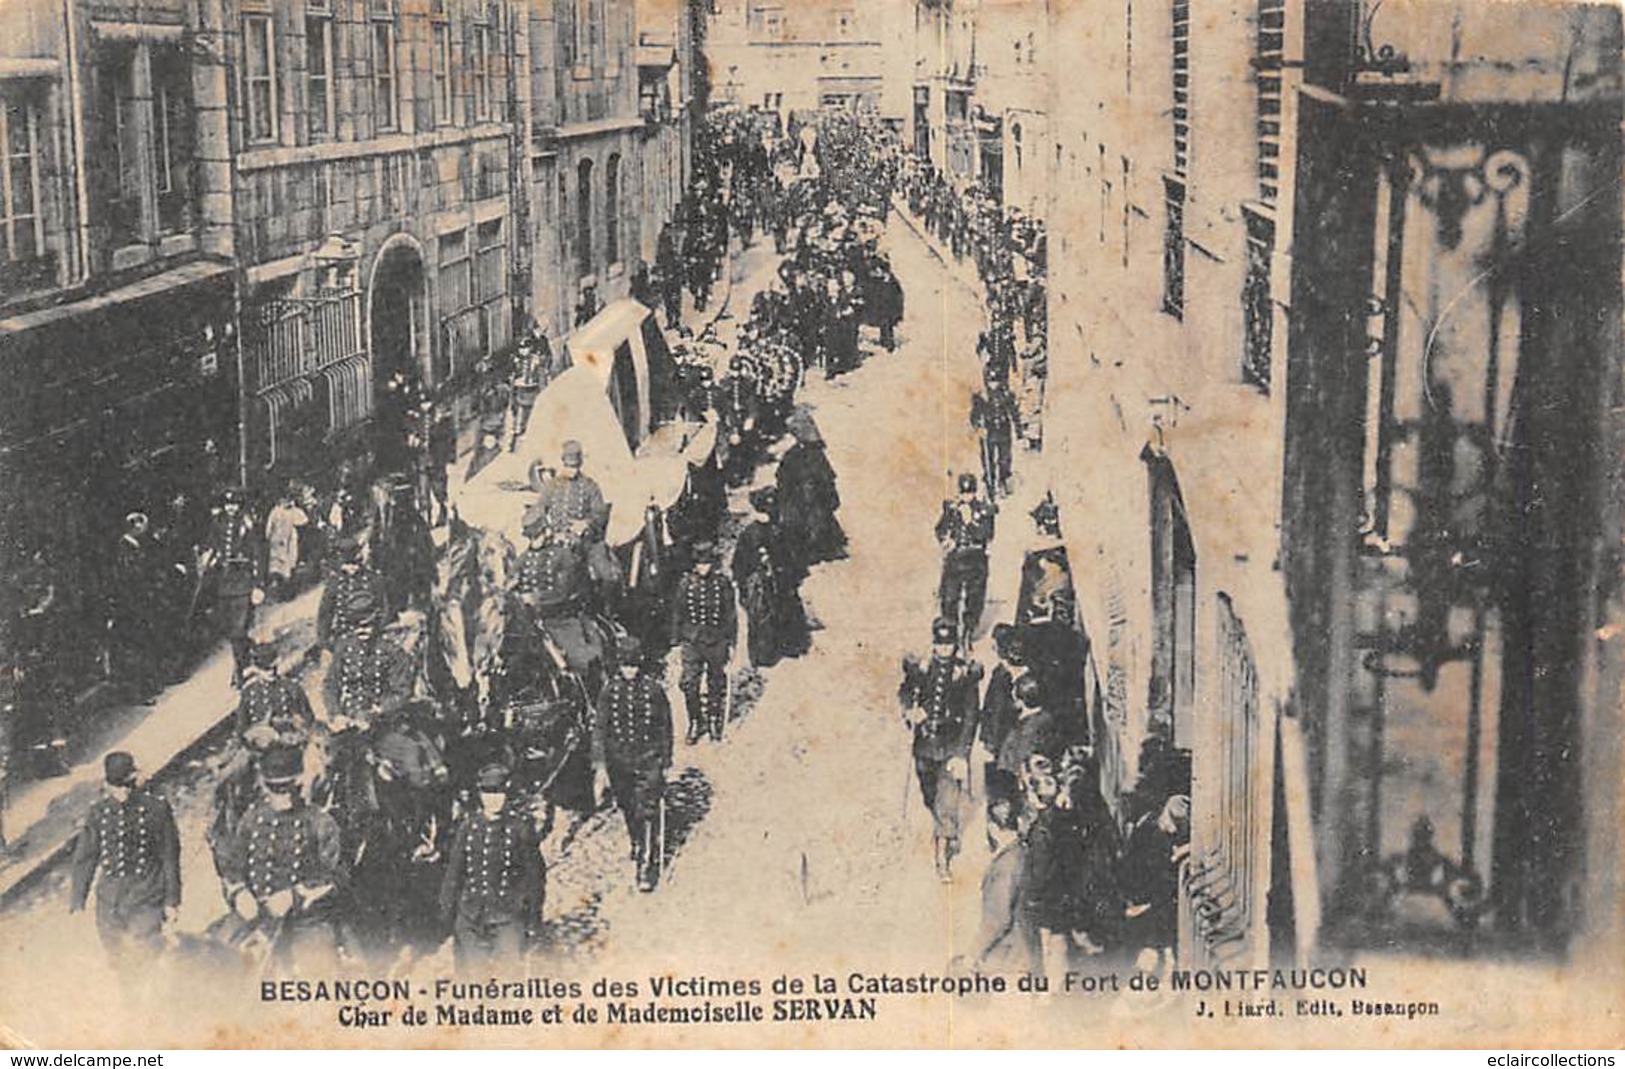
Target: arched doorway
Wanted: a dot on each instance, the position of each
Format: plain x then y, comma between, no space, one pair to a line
397,337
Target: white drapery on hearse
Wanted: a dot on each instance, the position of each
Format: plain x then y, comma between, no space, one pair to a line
619,397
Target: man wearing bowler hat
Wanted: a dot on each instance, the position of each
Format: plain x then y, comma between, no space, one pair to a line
631,751
130,838
495,883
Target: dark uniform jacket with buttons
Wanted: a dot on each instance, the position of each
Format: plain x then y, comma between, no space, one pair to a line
136,847
563,501
944,688
632,724
369,674
966,527
238,553
994,411
270,699
350,599
703,613
273,849
495,870
552,578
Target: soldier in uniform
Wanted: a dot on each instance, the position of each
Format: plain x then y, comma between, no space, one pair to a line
572,503
496,881
353,597
705,622
268,698
282,867
371,673
631,751
964,531
131,839
939,704
571,500
552,579
534,356
993,412
236,556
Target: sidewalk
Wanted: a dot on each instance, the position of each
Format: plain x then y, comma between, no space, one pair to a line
963,271
41,817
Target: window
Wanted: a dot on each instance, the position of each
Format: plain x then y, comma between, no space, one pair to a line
113,163
767,21
1173,247
490,269
173,138
259,76
479,60
612,210
584,216
318,72
20,225
582,32
385,104
440,69
456,287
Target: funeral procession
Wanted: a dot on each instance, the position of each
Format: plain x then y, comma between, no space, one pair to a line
499,493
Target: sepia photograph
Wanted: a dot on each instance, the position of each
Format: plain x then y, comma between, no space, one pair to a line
811,523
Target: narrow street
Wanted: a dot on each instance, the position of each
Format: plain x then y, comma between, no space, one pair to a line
805,823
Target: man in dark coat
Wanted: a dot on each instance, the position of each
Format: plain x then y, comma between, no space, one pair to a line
236,557
964,530
130,838
705,624
282,868
631,751
131,612
270,699
1157,845
993,412
496,881
494,401
939,704
669,272
353,596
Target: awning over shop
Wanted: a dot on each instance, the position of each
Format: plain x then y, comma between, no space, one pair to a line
191,274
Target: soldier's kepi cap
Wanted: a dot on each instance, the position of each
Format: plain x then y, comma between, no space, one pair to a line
943,633
263,655
967,483
492,777
630,647
705,551
281,766
118,768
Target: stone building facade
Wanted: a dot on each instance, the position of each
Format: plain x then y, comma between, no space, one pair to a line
1326,284
117,325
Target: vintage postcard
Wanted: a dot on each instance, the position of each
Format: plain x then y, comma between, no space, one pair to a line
811,523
